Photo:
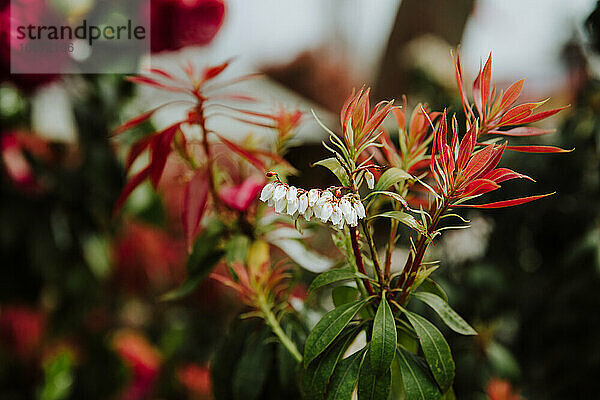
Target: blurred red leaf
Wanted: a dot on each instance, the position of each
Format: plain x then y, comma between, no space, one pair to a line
246,154
161,147
130,186
195,198
136,149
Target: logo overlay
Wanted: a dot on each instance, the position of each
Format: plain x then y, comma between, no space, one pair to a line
78,36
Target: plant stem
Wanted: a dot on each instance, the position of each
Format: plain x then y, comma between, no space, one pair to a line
358,257
207,152
273,323
376,265
411,268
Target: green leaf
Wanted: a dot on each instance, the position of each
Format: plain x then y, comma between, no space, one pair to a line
252,370
430,286
446,313
344,294
345,377
371,385
226,358
328,328
423,274
205,255
58,377
333,275
316,376
334,166
383,341
436,350
418,385
404,218
390,177
286,362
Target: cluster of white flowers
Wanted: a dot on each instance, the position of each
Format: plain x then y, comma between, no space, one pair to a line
322,204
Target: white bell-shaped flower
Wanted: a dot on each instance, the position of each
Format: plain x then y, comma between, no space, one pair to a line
279,192
326,211
267,191
292,193
360,209
292,205
280,205
313,196
302,203
336,216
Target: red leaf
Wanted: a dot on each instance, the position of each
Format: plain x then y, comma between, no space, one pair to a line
130,186
512,94
479,186
144,80
136,149
136,121
213,72
466,146
161,147
517,113
477,92
461,85
486,77
505,203
538,149
195,198
541,115
499,175
259,164
523,131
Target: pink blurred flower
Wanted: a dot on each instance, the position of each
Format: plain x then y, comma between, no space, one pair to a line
196,379
241,196
498,389
21,330
26,12
146,256
180,23
143,359
13,145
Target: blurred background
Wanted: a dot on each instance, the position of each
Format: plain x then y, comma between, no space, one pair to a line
79,315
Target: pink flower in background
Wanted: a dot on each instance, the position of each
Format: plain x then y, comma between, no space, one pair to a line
143,359
21,330
148,257
240,197
196,379
25,12
180,23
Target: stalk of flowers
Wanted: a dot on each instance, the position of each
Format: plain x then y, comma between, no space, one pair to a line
327,205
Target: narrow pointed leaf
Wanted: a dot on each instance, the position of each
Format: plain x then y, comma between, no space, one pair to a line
195,197
404,218
334,166
430,286
538,149
251,373
332,276
417,383
446,313
136,149
161,148
436,350
319,371
345,377
130,186
390,177
372,385
246,154
512,94
383,341
505,203
523,131
328,328
541,115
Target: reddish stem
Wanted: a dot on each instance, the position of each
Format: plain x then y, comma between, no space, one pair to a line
359,261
